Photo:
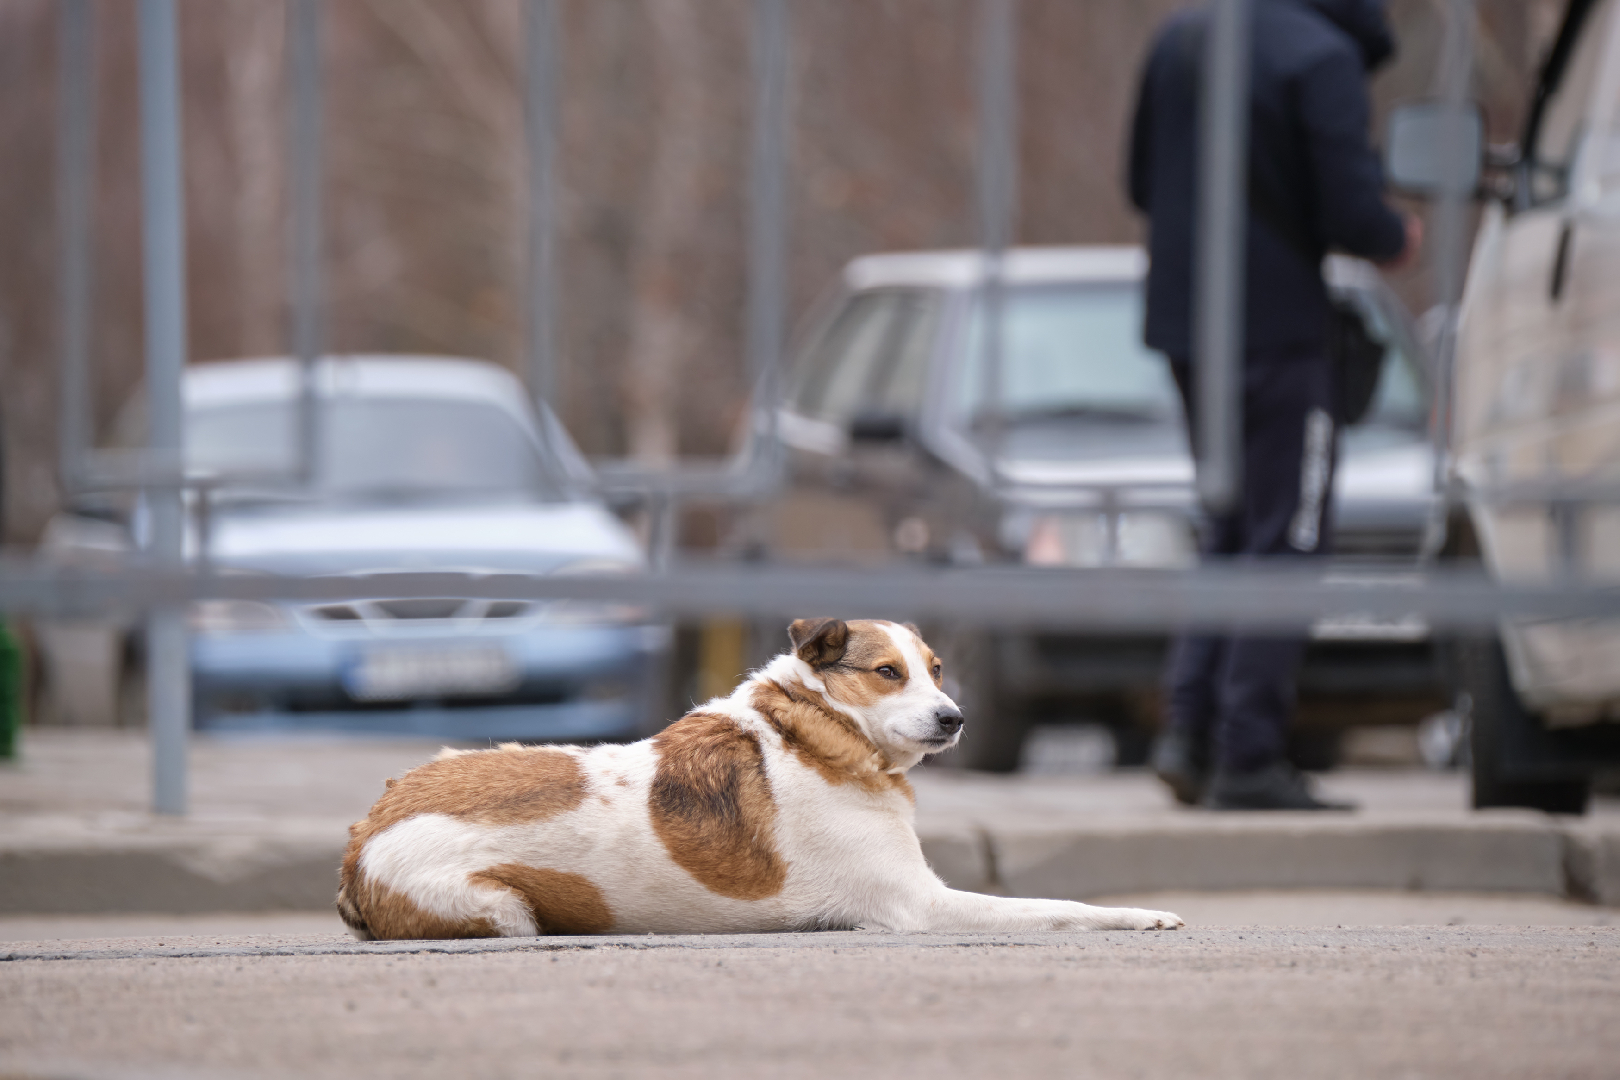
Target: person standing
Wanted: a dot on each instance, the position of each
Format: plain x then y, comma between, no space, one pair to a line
1314,185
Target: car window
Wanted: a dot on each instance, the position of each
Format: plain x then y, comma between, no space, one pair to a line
372,447
1070,349
871,356
1563,120
1076,350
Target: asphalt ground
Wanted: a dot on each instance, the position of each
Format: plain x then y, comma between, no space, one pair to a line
1465,1001
1252,907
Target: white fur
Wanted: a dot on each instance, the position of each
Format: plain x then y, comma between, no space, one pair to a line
852,855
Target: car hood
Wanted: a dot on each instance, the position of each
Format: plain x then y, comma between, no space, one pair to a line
1127,455
1387,468
534,538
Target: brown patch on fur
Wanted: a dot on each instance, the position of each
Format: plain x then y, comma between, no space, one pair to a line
491,787
391,916
711,805
854,677
562,903
825,739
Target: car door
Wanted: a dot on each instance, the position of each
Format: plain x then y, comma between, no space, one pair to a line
1538,377
850,421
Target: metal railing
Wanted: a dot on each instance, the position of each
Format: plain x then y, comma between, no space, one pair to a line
160,583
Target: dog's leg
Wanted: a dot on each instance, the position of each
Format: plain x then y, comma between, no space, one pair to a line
945,910
907,896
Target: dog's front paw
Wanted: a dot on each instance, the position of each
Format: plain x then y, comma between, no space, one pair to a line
1143,919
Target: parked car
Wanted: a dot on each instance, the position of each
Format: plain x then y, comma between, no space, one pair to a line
1084,463
1536,436
424,464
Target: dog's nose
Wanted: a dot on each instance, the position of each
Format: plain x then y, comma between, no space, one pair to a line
949,721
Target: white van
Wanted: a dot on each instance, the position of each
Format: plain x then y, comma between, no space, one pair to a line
1536,427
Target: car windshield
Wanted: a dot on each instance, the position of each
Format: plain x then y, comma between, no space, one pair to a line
1074,351
371,448
1070,350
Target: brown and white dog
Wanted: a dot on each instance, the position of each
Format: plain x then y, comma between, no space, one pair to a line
781,807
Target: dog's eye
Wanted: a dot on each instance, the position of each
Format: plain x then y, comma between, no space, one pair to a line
888,671
937,670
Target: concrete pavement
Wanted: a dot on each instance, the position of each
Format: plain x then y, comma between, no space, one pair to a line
1420,1001
1202,910
269,820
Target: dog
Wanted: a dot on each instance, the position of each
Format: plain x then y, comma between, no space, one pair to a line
783,806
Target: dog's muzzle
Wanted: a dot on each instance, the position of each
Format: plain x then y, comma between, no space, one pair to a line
948,721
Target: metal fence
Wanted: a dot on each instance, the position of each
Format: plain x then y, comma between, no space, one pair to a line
159,583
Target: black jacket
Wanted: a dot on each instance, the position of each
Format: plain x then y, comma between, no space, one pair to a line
1309,159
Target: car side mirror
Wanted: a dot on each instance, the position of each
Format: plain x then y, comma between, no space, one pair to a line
878,426
1433,149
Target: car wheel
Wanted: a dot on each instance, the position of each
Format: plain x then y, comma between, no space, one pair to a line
1496,716
993,736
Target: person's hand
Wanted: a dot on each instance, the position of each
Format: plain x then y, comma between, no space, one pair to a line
1414,243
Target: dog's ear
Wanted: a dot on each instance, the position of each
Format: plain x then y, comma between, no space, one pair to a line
819,642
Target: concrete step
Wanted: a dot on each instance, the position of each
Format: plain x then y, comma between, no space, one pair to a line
1507,853
270,820
59,867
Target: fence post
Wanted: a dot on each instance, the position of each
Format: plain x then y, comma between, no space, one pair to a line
305,284
767,229
997,177
1223,169
540,120
75,185
164,248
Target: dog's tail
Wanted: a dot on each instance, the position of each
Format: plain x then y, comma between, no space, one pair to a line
348,910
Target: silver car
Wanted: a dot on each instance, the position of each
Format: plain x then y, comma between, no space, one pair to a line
425,464
1083,462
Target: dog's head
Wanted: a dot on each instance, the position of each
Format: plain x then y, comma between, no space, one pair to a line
886,676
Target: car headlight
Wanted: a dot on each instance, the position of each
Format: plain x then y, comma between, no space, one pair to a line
595,611
1142,538
236,617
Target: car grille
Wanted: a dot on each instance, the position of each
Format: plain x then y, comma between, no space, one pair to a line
379,613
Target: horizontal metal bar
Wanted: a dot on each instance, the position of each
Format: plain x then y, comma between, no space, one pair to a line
1531,493
1227,595
723,478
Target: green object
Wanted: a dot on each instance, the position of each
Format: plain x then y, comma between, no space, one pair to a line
11,692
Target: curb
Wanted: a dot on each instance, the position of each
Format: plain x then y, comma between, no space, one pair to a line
1522,855
1519,853
173,879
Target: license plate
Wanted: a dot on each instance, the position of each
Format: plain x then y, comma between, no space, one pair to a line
1369,628
402,674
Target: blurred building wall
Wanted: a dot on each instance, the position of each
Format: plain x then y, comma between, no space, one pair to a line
425,179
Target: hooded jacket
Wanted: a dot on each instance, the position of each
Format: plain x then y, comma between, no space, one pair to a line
1310,163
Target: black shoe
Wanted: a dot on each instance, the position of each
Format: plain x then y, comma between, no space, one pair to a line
1278,786
1178,760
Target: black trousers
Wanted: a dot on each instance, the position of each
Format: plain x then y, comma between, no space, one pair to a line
1236,692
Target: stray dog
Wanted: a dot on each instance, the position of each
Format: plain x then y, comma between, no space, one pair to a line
781,807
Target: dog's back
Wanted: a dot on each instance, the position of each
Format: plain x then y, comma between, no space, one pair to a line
690,831
418,865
